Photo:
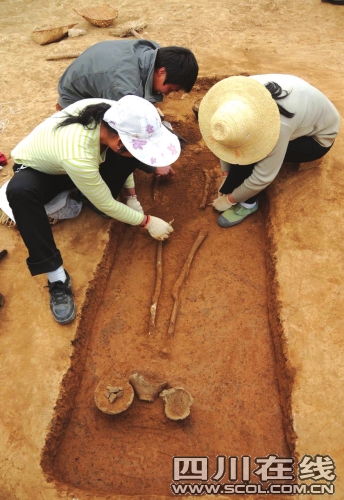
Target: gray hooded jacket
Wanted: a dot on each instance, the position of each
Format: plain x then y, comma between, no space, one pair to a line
111,70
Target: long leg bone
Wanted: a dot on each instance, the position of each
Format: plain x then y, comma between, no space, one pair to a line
157,289
205,189
181,279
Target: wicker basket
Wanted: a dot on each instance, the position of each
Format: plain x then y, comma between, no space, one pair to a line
5,220
50,34
102,15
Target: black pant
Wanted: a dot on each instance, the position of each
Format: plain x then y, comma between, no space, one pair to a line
299,150
29,190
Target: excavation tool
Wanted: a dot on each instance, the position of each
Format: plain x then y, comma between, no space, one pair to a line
181,280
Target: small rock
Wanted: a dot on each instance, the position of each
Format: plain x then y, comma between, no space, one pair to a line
76,32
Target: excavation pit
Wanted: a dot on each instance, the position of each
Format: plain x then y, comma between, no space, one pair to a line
222,349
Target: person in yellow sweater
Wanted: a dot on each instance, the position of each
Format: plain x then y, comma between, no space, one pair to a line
69,150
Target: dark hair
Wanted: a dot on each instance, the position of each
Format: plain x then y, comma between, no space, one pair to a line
180,64
277,93
89,117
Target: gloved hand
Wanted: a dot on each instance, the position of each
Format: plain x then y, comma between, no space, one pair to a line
158,228
222,203
134,203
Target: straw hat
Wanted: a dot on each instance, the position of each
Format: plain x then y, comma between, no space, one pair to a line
239,120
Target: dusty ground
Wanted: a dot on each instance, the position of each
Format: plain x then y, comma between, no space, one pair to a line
259,335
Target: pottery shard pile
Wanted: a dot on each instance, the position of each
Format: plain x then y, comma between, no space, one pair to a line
113,393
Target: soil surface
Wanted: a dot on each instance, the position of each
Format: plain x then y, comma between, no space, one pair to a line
226,349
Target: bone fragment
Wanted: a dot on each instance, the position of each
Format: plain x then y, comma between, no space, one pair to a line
157,289
155,185
119,395
178,402
112,397
181,280
112,389
145,389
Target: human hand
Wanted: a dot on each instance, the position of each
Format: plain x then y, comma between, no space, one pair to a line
164,171
222,203
158,228
133,202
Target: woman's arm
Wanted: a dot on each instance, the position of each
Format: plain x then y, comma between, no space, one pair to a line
85,175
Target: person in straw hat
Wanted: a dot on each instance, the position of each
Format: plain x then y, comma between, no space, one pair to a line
253,124
69,150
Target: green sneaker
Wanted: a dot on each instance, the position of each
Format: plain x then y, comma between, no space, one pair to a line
235,215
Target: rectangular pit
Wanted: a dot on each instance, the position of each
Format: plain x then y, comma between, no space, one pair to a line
222,350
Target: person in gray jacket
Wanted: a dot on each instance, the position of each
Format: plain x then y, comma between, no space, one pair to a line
113,69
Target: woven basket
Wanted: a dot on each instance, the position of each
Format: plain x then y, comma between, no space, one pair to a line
102,15
5,220
50,34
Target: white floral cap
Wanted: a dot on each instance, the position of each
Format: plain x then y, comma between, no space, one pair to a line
139,126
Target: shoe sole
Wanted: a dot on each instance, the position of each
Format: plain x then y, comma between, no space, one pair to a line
230,224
